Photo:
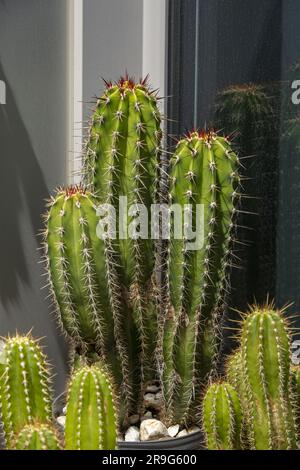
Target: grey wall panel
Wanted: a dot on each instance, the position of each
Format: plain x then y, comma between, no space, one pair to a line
33,151
112,42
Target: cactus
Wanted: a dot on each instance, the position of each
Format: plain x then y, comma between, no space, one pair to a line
75,258
37,437
222,418
265,349
122,160
91,416
24,386
251,113
204,170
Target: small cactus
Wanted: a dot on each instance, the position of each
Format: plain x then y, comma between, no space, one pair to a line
265,350
37,437
204,171
222,418
91,415
24,386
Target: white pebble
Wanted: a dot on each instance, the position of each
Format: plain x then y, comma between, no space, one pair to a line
61,421
183,433
152,429
132,434
173,430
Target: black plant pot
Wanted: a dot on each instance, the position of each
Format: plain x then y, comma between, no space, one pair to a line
193,441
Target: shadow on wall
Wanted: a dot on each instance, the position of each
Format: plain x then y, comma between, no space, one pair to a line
21,184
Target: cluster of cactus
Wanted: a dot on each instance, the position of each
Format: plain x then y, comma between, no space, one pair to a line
251,113
26,404
260,372
105,289
147,310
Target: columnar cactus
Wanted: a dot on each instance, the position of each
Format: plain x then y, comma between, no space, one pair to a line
24,386
251,113
122,160
204,171
91,414
75,258
222,418
37,437
265,349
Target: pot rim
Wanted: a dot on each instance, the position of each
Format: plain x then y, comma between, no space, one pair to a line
171,443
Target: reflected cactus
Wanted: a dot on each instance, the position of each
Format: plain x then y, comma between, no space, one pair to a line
251,113
37,437
91,414
25,395
222,418
203,171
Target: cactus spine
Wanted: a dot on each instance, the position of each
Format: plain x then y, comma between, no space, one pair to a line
222,418
265,349
91,415
24,386
204,170
122,160
37,437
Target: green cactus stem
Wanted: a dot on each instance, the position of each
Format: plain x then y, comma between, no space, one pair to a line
37,437
265,346
122,160
24,386
204,171
91,415
222,418
75,258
